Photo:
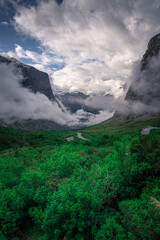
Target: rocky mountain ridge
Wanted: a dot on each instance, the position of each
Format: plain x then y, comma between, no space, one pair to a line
144,91
33,79
37,82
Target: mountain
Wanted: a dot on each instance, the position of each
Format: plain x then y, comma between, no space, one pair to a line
146,95
93,104
143,94
33,79
73,101
37,82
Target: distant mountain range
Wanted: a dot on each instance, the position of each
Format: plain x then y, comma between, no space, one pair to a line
75,101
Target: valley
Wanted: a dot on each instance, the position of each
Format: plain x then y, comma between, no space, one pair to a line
79,120
96,189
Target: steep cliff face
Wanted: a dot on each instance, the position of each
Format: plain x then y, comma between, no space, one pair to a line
33,79
37,82
143,96
146,85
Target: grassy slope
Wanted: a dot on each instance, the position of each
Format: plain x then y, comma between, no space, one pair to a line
120,127
13,137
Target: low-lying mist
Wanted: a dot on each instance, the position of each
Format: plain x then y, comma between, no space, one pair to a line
19,103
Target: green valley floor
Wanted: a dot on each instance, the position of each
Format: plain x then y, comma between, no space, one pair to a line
105,187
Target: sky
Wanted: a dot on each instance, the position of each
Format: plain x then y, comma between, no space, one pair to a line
84,45
20,103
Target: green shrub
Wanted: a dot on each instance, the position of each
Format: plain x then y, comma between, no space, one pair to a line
139,218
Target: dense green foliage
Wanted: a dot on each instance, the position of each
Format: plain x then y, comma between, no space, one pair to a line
98,189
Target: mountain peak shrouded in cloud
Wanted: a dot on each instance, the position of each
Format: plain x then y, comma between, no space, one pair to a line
26,94
33,79
143,96
154,40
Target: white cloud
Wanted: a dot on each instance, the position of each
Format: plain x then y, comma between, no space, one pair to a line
20,103
5,23
89,78
143,96
112,33
41,61
10,54
93,118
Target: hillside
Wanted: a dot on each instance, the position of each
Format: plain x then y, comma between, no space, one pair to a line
99,188
119,126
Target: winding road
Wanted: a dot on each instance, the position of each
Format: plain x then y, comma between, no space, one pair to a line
147,130
79,135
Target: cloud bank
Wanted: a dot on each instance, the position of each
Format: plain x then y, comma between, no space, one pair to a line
143,96
20,103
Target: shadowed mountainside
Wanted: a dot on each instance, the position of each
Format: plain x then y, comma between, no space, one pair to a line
37,82
146,86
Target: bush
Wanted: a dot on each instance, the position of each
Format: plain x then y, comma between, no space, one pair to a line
139,218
